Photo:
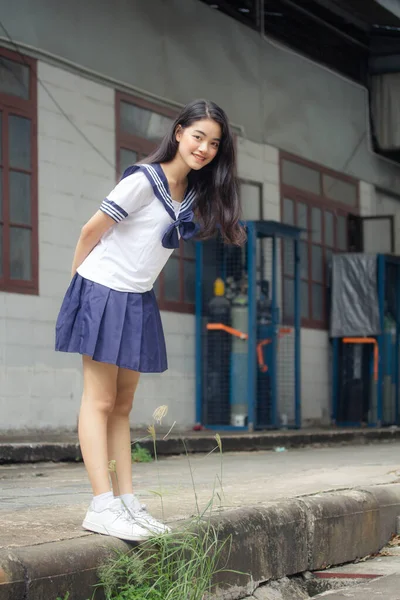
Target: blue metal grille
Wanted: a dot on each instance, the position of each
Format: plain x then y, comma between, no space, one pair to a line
248,332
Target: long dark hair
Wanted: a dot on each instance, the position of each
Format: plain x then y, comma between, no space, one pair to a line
216,184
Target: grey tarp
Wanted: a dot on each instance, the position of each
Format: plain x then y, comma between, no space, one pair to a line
385,109
354,296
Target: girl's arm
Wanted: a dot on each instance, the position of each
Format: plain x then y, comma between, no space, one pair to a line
91,233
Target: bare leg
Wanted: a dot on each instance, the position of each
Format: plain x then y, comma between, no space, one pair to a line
118,431
99,394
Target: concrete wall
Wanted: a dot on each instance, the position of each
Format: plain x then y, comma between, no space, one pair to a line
176,50
315,377
180,49
39,387
42,388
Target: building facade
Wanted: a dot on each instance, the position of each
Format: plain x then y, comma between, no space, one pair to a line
89,88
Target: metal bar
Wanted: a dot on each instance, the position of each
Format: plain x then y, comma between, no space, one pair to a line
275,325
366,340
297,335
350,17
325,24
260,16
199,333
397,356
6,199
251,356
335,379
381,336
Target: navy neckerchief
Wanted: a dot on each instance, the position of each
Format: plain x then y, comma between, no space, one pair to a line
184,221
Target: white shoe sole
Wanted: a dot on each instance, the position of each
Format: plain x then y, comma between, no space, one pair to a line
96,528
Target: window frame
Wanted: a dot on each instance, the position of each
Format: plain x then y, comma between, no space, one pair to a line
257,184
144,147
324,204
27,108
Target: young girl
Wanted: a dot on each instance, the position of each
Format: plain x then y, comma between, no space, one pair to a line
110,314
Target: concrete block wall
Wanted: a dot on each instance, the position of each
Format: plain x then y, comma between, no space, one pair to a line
315,377
40,388
260,163
367,199
176,387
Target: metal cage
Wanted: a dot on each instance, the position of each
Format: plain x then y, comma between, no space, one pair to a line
248,330
365,370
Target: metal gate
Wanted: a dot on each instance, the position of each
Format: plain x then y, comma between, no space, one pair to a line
248,330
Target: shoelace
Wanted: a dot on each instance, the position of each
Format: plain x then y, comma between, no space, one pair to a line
121,513
143,514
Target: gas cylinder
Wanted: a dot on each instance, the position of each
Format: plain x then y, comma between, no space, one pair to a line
239,371
218,348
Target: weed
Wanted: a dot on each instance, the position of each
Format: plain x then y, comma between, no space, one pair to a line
175,566
180,565
141,455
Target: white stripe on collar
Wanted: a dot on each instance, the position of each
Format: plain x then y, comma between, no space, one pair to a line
188,200
160,185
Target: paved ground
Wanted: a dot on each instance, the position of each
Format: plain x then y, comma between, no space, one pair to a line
381,574
371,577
46,502
384,588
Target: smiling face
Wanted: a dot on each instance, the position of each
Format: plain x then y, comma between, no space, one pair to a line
199,143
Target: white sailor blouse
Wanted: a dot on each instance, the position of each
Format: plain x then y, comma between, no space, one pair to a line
130,256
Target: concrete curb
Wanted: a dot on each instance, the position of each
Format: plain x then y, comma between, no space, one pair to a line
47,571
39,452
20,452
268,542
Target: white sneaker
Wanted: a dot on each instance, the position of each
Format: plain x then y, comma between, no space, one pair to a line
114,520
141,517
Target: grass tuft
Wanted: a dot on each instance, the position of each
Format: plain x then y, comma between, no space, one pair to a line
181,565
141,455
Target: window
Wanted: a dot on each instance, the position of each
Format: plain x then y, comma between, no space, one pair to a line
251,193
176,287
140,127
18,174
319,202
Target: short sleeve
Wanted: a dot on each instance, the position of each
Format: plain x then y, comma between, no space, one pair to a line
127,197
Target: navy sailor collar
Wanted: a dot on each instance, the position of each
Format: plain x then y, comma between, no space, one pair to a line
159,182
183,222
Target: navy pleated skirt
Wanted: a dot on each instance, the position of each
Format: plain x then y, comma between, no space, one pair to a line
120,328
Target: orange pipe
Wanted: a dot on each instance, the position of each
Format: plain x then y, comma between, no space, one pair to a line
244,336
222,327
260,356
366,340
